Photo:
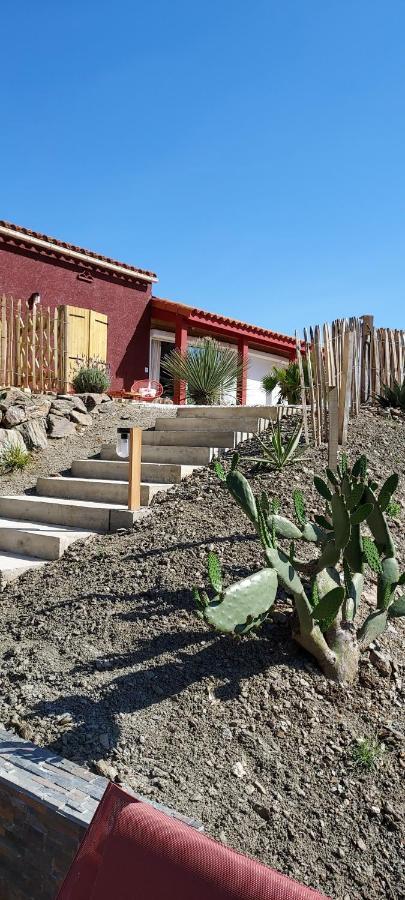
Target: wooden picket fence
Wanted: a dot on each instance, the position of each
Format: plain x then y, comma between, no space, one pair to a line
32,346
41,348
347,362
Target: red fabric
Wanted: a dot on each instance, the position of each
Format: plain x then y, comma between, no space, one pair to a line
134,852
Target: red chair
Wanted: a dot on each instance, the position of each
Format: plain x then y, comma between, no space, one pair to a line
132,850
145,390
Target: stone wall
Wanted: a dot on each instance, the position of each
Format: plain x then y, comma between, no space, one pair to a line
46,805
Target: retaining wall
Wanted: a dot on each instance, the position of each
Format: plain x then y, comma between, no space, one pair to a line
46,805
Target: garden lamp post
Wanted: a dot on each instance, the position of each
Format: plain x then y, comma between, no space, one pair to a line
129,446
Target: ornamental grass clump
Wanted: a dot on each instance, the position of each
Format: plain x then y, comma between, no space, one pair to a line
349,535
13,458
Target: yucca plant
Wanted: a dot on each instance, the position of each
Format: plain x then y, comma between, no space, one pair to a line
209,370
392,396
278,453
288,380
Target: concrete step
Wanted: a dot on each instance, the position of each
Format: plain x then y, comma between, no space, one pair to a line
12,565
227,412
219,439
117,470
96,490
37,539
193,456
73,513
245,425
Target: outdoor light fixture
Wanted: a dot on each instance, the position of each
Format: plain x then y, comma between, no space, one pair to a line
122,446
34,299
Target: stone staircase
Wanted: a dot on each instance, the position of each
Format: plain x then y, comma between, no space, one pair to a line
36,528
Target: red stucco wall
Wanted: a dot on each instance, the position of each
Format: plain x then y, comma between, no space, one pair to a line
127,305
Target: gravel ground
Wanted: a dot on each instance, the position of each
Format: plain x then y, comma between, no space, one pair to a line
60,453
104,659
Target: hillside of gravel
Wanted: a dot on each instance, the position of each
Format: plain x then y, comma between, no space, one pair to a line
103,659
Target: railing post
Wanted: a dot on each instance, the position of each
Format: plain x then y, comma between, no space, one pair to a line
134,468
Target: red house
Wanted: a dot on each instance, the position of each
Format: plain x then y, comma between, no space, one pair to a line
141,327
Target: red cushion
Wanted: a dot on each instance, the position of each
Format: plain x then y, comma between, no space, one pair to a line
132,850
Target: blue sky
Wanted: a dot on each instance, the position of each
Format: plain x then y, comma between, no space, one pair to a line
252,154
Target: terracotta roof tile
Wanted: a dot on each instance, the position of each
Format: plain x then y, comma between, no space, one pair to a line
98,257
218,319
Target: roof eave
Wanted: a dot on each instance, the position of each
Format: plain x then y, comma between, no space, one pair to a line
76,255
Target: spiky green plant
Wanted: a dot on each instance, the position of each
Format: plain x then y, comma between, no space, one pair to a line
326,589
367,752
278,453
392,396
209,370
288,381
13,458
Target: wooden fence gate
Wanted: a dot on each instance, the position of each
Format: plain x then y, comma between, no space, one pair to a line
42,348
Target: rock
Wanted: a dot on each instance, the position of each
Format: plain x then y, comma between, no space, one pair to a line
104,741
74,400
361,845
92,400
59,427
38,406
13,416
104,768
11,397
80,418
11,437
381,661
34,434
238,770
61,407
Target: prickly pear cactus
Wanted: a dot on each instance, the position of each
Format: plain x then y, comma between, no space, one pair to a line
327,589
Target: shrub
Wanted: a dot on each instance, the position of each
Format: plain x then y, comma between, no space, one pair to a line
367,752
326,589
209,370
392,396
13,458
92,378
288,380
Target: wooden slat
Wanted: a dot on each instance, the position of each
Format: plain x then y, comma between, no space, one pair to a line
347,374
303,391
3,342
311,389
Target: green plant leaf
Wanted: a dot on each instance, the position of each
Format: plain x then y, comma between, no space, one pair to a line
374,625
361,513
219,470
371,554
322,488
355,496
328,607
323,522
360,467
388,489
215,572
397,608
299,506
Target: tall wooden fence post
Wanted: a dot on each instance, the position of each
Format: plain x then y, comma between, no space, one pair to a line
333,427
367,325
134,468
346,386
